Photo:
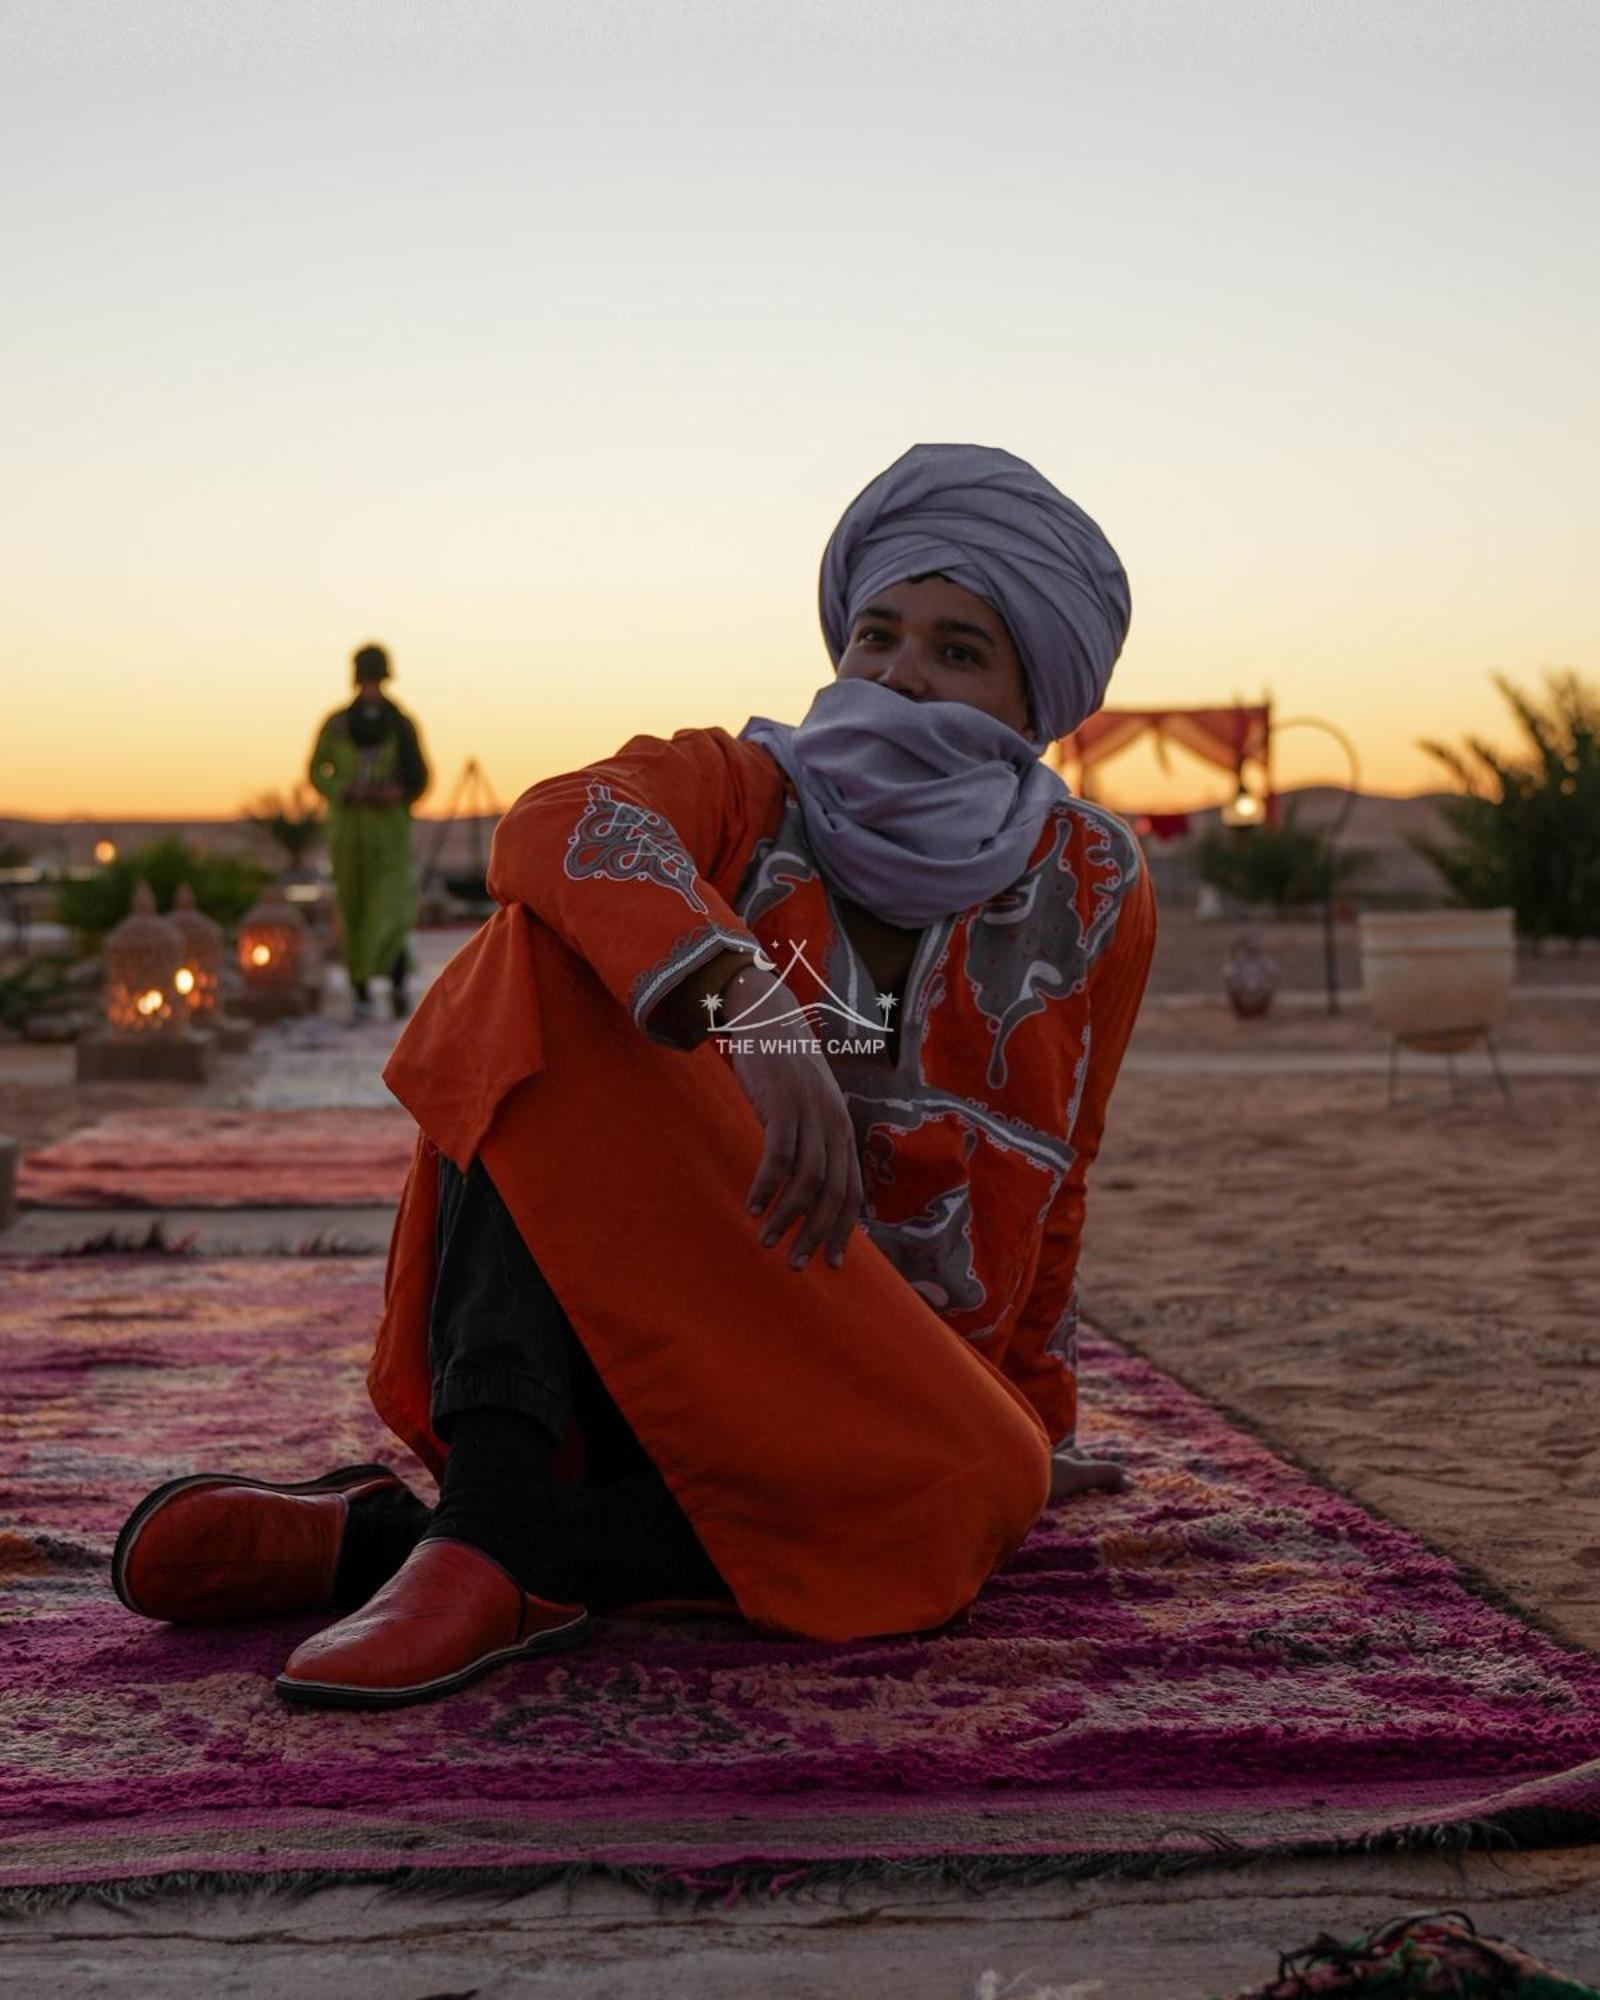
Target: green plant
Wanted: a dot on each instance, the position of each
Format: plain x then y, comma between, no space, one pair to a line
1526,826
294,822
1280,866
33,986
224,885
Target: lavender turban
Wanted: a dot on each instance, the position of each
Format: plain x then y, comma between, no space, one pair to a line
990,522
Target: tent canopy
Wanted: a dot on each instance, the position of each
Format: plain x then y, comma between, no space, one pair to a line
1230,738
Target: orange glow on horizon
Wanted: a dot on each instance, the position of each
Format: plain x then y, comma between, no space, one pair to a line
321,339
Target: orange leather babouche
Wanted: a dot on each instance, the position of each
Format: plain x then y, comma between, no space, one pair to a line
448,1616
211,1547
858,1449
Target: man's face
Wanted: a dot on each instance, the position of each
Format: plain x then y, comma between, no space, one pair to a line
369,693
935,641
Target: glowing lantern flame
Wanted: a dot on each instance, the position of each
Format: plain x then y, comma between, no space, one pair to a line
1245,809
105,852
184,981
150,1003
261,954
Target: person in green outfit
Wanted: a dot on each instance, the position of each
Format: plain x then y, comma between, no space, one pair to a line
368,764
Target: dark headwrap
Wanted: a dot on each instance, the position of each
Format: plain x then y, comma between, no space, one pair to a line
988,521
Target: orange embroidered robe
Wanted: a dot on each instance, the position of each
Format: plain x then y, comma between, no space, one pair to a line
857,1449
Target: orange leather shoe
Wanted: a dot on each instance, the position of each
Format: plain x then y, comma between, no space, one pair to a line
214,1547
450,1615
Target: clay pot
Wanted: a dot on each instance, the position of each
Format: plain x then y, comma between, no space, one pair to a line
1250,977
1438,978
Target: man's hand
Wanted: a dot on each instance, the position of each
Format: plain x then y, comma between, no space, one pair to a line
1072,1473
809,1171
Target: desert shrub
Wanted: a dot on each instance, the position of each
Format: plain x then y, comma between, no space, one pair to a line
293,820
1526,825
224,885
1280,867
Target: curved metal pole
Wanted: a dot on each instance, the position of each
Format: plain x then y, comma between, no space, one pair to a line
1330,954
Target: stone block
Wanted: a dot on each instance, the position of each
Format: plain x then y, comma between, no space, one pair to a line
234,1036
182,1058
269,1004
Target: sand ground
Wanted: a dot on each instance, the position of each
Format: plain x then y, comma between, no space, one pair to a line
1407,1299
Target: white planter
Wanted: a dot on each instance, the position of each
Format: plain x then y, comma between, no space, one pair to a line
1438,977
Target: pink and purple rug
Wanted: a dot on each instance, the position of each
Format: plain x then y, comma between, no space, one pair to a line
1230,1660
349,1158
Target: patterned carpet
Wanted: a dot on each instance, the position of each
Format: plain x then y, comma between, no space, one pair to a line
1228,1659
347,1158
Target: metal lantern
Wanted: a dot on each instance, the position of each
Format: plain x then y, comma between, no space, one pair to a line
143,957
199,977
272,949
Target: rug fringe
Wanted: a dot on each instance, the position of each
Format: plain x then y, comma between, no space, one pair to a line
114,1242
728,1883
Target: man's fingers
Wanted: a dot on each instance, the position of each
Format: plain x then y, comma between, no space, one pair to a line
805,1182
777,1154
823,1217
849,1210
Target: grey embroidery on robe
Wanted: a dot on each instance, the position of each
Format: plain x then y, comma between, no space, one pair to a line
1062,1346
1116,845
1063,1341
935,1246
777,867
684,956
879,1098
1025,946
624,842
1028,945
933,1251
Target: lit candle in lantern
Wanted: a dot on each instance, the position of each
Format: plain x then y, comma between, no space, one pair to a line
272,950
199,977
142,957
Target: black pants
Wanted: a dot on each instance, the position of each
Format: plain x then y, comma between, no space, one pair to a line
499,1339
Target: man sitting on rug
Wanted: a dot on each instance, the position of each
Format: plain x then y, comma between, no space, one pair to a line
740,994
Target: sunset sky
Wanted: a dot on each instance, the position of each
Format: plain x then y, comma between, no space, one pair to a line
545,343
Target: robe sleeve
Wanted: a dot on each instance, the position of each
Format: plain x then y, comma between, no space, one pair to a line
1041,1354
617,859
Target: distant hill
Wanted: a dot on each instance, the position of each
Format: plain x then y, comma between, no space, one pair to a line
1384,824
71,843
